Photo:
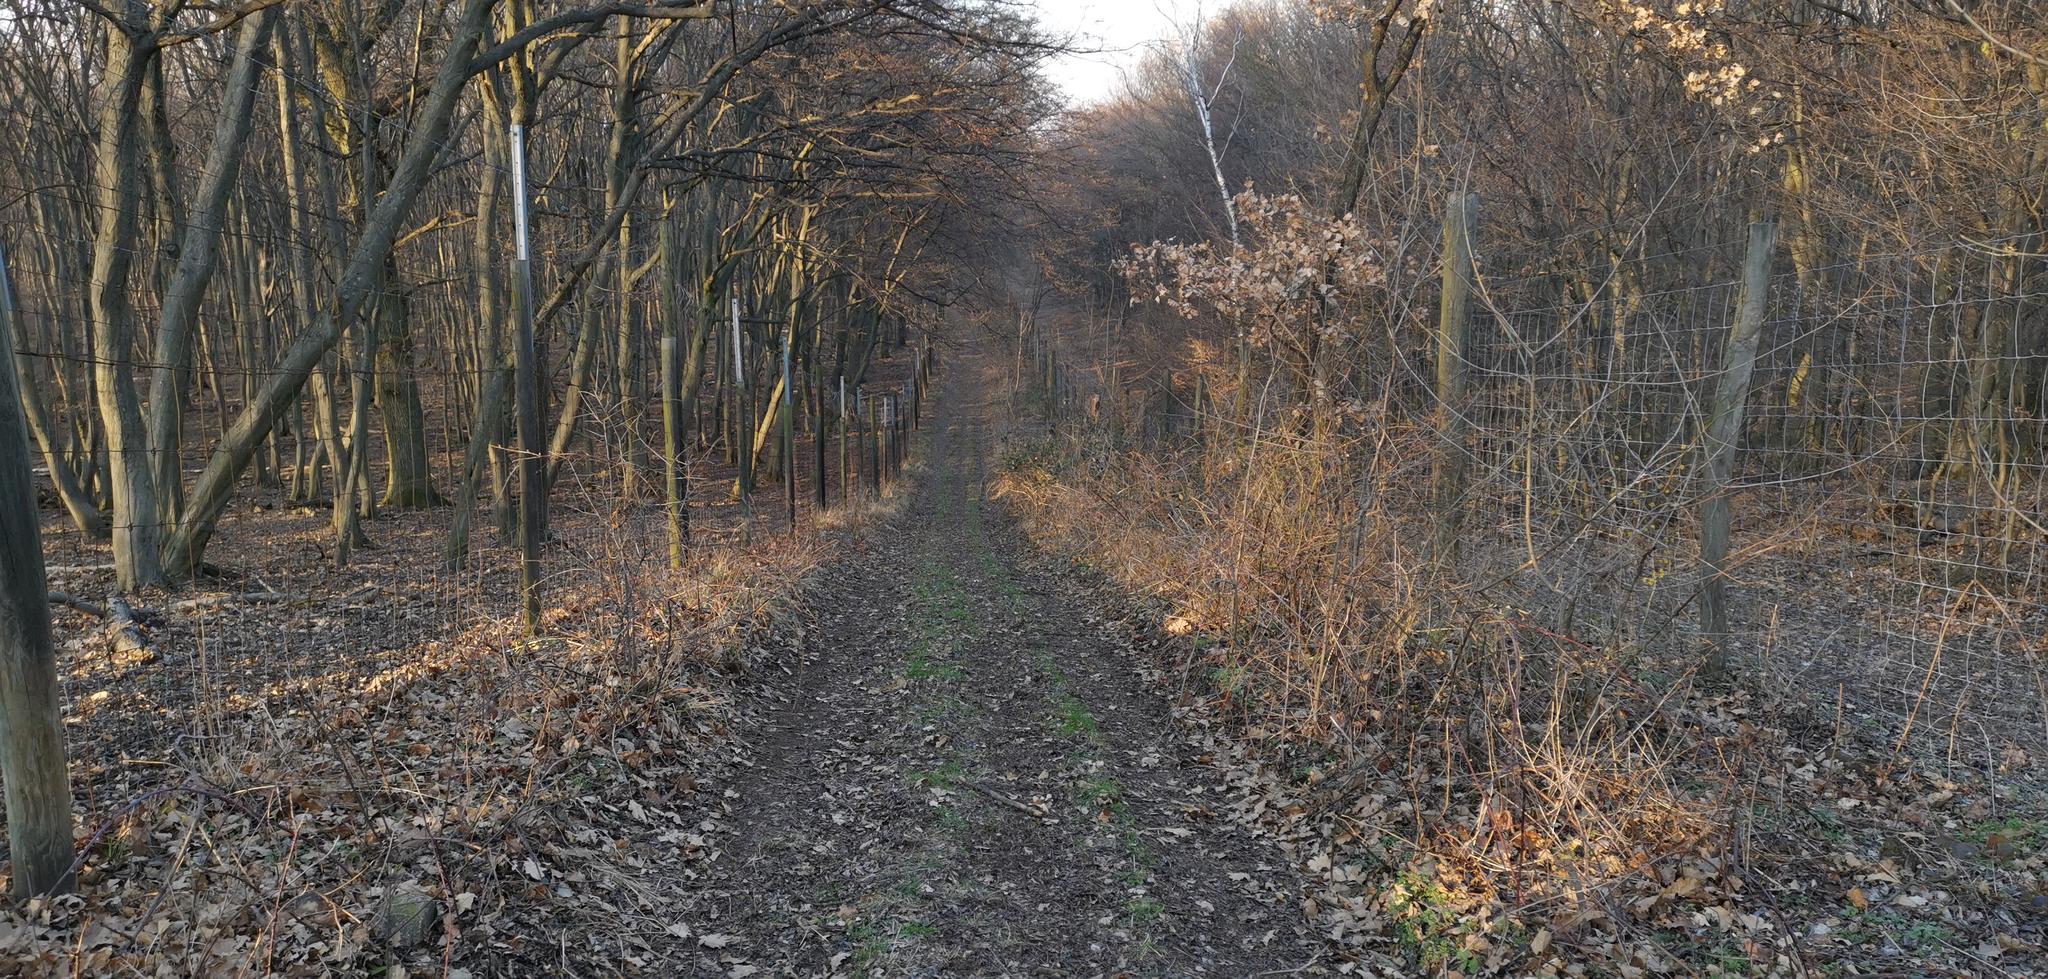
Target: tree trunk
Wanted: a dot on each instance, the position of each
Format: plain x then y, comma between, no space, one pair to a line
78,502
1723,441
352,485
199,257
487,423
582,365
136,523
209,497
409,476
38,786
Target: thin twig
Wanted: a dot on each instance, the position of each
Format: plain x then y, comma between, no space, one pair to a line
1005,800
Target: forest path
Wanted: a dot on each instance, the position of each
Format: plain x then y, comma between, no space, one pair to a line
967,775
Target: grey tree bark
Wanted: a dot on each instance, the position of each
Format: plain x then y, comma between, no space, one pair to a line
1460,220
488,417
198,258
137,527
1723,441
38,786
209,498
78,501
408,474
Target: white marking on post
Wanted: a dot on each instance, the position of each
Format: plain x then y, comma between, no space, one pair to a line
739,368
519,218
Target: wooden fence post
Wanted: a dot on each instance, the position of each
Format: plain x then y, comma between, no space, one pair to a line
676,482
1723,441
532,444
1017,391
743,401
789,425
819,431
889,439
1453,316
845,430
31,720
672,446
875,449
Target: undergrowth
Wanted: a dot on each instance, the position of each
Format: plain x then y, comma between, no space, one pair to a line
451,812
1471,788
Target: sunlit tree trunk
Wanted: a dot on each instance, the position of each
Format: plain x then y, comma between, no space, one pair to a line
198,258
137,526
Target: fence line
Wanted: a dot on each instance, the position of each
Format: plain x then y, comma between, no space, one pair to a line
1886,493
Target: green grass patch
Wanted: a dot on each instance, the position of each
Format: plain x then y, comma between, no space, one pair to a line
1103,793
945,776
873,946
1075,720
2010,833
1143,910
924,666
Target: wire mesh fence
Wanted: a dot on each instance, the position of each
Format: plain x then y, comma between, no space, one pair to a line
1887,544
1885,569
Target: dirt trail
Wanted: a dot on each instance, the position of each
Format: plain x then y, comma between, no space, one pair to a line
967,776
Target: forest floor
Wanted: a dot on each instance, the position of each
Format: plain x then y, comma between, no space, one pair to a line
910,739
1544,797
968,774
900,742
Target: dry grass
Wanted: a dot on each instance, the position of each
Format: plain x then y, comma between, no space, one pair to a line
1317,636
1477,789
868,510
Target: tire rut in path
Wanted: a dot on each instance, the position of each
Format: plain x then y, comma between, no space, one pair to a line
967,776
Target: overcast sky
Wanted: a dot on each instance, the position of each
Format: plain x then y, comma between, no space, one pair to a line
1119,28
